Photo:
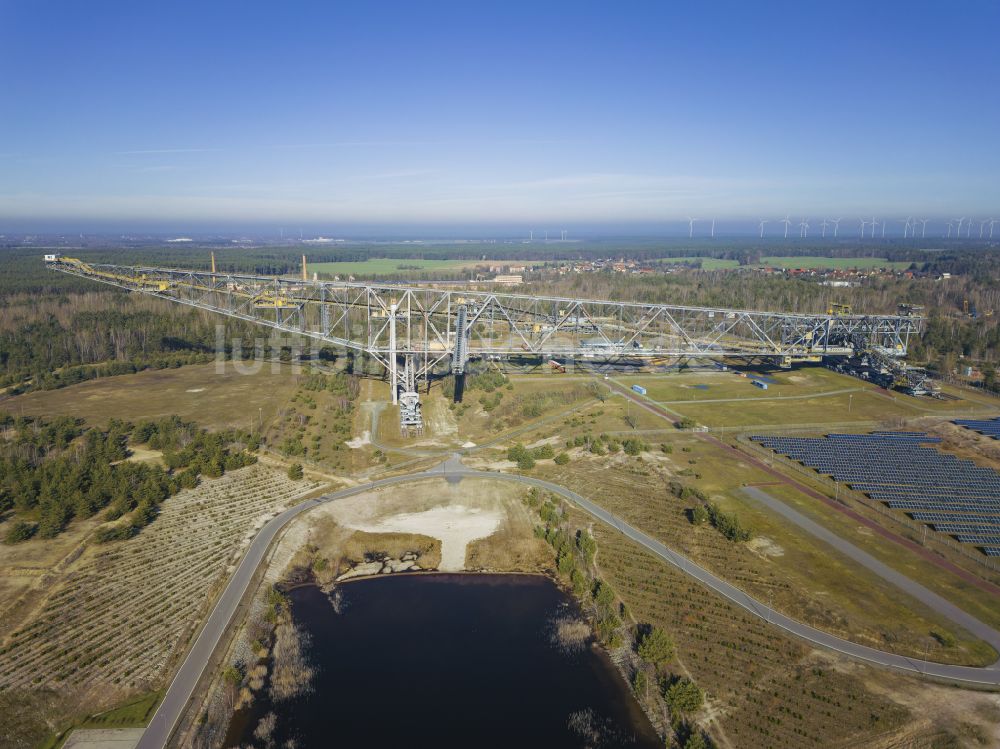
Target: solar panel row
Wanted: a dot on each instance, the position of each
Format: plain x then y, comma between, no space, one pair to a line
906,472
989,427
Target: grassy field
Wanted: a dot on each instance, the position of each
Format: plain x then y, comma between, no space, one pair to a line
831,263
807,580
762,689
716,384
197,393
134,714
805,395
471,422
967,596
707,263
793,261
390,267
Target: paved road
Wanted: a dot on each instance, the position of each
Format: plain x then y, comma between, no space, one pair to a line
178,695
877,528
933,600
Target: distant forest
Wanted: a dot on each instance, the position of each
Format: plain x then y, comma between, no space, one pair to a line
57,329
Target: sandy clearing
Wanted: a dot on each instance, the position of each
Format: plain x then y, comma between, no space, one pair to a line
456,526
455,514
359,442
765,547
553,440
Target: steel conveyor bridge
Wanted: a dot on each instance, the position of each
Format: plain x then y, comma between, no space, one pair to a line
414,330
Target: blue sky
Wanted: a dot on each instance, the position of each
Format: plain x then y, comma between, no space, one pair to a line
333,113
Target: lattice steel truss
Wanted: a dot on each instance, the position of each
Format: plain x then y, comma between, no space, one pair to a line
412,330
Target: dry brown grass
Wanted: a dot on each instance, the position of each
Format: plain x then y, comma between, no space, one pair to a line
195,393
570,635
966,443
512,548
26,716
362,545
809,581
291,675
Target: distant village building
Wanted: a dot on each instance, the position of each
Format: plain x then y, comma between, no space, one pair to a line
509,280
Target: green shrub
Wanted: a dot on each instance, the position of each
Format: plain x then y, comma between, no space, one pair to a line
728,525
656,647
295,471
20,531
683,696
586,544
562,459
695,740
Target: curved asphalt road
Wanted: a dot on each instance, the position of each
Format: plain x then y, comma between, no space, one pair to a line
175,702
929,598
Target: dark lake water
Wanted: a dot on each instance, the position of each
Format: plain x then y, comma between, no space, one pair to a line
447,661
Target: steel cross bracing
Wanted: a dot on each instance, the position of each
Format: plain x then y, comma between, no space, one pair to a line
412,330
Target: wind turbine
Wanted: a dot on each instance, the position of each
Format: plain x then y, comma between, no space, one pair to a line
836,226
874,224
906,226
764,221
787,222
863,225
713,228
950,225
824,225
804,228
883,229
691,226
923,230
982,225
959,220
992,221
968,229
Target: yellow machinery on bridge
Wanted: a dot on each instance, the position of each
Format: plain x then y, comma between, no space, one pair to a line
142,281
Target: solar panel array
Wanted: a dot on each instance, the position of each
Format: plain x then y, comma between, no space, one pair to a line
989,427
904,470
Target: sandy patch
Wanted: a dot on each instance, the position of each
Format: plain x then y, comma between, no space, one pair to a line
358,442
765,547
553,440
454,525
470,443
428,443
964,712
472,511
195,390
